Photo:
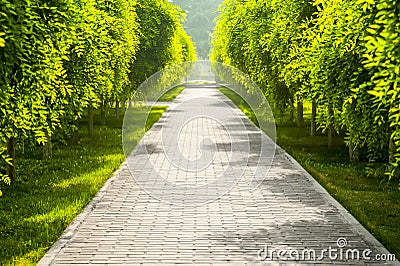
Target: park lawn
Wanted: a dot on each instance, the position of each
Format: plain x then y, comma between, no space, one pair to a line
361,188
171,94
49,194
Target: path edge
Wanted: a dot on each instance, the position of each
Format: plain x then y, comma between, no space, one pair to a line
69,232
355,224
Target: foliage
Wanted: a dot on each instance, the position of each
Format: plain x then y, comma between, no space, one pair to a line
382,62
330,59
61,56
340,54
32,86
165,42
255,36
105,43
200,22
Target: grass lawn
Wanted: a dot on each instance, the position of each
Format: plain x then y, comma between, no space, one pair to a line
171,94
49,194
360,187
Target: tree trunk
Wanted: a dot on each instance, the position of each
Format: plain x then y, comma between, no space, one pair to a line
22,147
117,108
75,133
103,114
330,136
47,149
331,129
130,104
353,151
392,159
313,119
90,120
11,170
300,116
291,114
123,105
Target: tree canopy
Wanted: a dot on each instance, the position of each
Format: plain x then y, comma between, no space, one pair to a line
341,55
60,57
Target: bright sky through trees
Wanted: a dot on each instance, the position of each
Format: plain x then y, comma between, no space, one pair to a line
200,22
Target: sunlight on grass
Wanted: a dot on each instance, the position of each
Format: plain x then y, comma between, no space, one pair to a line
89,177
48,195
171,94
240,103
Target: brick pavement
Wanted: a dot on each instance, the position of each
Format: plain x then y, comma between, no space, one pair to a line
126,225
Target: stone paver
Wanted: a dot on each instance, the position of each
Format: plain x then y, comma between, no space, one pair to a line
126,225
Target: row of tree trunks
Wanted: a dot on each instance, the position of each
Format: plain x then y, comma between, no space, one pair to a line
313,125
47,147
120,107
300,115
103,114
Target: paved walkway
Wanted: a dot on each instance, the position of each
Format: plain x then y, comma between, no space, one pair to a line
125,224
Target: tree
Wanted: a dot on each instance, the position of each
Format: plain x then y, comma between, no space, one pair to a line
341,55
31,56
255,36
61,57
380,93
163,41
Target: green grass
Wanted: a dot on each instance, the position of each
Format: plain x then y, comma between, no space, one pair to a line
360,187
240,103
49,194
171,94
